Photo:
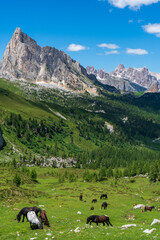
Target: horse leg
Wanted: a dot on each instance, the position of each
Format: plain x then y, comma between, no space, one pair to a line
103,224
110,223
97,223
23,218
107,223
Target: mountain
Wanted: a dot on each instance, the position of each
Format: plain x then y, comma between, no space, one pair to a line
115,81
24,59
140,76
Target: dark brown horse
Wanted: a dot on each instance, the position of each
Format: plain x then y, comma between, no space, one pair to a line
104,205
92,208
81,197
25,210
147,208
91,219
44,218
102,219
94,200
103,196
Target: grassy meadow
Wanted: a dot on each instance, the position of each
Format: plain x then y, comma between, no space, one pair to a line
61,201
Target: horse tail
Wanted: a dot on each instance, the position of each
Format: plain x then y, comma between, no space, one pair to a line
45,216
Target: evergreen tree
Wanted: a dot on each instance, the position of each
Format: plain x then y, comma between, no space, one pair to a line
17,180
33,175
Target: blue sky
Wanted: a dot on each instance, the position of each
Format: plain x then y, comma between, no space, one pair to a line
100,33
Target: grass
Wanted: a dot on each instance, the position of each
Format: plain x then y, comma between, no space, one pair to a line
61,201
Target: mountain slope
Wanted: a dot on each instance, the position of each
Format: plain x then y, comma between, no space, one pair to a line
44,122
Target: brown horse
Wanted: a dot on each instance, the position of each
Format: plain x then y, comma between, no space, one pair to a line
92,208
81,197
102,219
94,200
104,205
148,208
44,218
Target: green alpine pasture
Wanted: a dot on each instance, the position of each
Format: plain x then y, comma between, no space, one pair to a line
61,201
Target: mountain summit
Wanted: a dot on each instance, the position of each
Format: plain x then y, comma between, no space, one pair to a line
25,59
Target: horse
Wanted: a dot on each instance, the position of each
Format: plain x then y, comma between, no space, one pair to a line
148,208
81,197
103,196
91,219
104,205
34,221
102,219
92,208
25,210
44,218
94,200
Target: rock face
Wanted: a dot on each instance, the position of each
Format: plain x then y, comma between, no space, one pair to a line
2,142
100,74
24,59
130,79
139,76
117,82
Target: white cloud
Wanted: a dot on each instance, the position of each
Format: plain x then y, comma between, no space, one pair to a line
112,52
152,29
137,51
134,4
75,47
130,21
108,45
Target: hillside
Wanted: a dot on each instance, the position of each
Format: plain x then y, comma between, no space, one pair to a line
42,123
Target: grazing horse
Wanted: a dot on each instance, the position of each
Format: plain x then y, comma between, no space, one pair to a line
91,219
94,200
102,219
81,197
44,218
104,205
25,210
103,196
34,221
92,208
148,208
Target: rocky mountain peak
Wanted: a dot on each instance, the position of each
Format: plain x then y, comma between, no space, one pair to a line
120,67
25,59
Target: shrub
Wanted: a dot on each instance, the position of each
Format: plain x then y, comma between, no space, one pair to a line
17,180
33,175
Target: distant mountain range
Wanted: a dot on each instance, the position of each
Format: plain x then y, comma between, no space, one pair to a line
128,79
24,59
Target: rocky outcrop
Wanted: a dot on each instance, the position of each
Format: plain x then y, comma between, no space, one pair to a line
24,59
100,74
2,142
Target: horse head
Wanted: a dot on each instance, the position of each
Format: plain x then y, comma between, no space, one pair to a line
18,217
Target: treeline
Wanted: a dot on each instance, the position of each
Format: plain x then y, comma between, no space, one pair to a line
114,156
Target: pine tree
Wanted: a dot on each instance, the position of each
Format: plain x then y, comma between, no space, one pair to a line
17,180
33,175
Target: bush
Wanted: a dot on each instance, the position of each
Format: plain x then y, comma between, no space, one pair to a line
33,175
17,180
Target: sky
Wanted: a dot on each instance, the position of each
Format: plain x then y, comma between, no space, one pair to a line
99,33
